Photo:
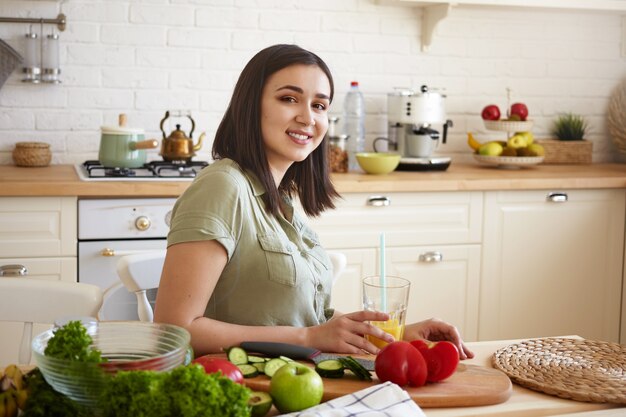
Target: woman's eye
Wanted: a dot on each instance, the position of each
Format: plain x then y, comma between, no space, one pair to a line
288,99
319,106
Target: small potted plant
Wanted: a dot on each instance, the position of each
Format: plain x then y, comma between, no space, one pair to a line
570,147
570,126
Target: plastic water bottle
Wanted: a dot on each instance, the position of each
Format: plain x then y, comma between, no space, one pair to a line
354,124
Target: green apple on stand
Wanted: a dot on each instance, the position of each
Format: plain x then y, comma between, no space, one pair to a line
517,141
295,387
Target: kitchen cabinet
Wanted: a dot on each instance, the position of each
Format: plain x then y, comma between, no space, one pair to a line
552,264
40,234
433,239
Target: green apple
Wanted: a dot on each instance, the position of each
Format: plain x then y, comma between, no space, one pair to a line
295,387
516,141
490,149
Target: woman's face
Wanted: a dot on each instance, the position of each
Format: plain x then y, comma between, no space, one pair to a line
294,114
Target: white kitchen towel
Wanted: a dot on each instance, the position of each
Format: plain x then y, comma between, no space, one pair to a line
387,399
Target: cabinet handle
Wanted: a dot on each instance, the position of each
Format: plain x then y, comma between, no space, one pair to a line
109,252
378,201
557,197
431,257
13,271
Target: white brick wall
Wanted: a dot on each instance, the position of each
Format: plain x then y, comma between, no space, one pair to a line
143,57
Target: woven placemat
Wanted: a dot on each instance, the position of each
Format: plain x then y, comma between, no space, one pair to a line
576,369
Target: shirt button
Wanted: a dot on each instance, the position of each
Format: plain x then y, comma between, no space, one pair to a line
320,287
303,253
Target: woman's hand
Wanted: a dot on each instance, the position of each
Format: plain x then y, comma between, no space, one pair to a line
344,333
437,330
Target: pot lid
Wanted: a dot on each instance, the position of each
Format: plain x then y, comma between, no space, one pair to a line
117,130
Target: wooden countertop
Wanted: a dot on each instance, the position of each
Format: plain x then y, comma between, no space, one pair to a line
62,180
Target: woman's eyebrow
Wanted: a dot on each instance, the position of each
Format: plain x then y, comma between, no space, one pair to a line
301,91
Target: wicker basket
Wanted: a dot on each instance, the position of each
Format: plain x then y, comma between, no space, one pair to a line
566,151
32,154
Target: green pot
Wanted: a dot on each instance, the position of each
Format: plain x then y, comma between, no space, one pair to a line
122,147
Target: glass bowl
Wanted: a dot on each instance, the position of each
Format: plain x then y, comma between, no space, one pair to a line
127,345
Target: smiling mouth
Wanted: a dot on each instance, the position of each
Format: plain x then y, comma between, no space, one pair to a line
299,137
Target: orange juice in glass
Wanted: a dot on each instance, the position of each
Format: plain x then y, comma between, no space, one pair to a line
390,295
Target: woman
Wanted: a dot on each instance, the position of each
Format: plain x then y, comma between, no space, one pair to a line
241,264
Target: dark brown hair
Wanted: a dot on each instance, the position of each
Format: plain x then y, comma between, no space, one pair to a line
239,137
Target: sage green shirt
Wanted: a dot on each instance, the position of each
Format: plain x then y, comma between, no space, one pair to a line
277,272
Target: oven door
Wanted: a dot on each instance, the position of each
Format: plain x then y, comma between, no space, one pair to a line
97,262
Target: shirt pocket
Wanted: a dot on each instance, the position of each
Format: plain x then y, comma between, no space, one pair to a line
279,256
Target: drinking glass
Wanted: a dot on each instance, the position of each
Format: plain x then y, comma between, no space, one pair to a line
390,296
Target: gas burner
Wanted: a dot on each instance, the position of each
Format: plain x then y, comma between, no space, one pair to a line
155,170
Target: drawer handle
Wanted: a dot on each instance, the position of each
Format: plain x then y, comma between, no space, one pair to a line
431,257
13,271
378,201
109,252
557,197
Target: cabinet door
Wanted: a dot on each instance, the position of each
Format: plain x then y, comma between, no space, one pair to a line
347,295
552,268
444,283
37,226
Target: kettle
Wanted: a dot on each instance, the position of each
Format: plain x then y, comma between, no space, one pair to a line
177,147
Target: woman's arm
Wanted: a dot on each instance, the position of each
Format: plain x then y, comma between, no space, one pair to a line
189,277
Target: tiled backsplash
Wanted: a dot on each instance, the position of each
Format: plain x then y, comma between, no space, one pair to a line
143,57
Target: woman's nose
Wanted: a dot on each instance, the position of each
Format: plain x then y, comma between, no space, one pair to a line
306,117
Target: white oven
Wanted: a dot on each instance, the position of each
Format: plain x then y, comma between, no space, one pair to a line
110,228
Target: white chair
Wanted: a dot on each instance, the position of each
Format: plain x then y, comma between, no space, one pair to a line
138,273
31,301
141,272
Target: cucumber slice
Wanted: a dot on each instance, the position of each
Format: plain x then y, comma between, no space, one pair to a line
330,368
248,371
356,368
260,403
273,365
260,366
237,355
286,359
255,359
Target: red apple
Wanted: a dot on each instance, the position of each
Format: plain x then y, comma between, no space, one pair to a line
491,112
519,109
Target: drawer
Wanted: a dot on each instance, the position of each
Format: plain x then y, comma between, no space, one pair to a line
405,218
54,269
37,226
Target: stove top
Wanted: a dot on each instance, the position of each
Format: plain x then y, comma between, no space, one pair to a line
151,171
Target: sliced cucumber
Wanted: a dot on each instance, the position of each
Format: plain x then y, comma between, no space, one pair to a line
260,366
237,355
248,371
255,359
273,365
330,368
356,368
286,359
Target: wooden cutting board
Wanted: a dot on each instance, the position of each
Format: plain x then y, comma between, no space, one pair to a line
470,385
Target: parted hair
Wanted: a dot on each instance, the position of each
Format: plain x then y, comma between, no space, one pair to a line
239,136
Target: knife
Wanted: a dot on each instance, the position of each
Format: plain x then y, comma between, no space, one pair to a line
275,349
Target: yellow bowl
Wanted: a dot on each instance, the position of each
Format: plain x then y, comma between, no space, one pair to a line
378,162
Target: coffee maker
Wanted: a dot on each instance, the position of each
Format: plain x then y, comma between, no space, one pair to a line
411,116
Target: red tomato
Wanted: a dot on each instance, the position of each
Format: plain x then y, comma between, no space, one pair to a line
491,112
401,363
228,369
441,358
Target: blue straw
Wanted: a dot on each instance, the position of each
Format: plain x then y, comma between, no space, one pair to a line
382,277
